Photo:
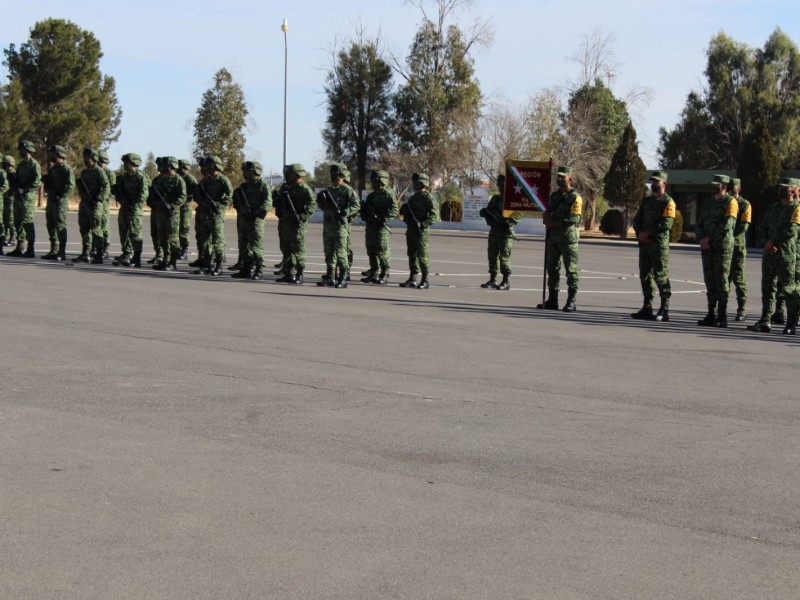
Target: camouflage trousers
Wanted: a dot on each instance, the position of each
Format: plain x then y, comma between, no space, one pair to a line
129,222
9,228
716,274
106,220
241,237
417,250
349,245
769,284
210,235
737,275
253,231
557,250
378,249
335,237
499,251
296,245
90,223
185,227
786,261
55,214
168,224
23,219
154,231
283,226
654,272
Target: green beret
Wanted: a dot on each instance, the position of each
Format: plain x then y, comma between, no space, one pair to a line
91,152
382,176
565,170
720,179
659,175
736,182
253,166
27,146
102,156
295,169
59,151
184,163
422,178
9,160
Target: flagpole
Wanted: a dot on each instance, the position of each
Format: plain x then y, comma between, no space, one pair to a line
546,239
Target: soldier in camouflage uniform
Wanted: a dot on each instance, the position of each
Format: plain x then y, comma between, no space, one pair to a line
379,207
25,186
158,257
8,234
501,237
785,246
94,191
168,194
419,213
253,199
132,191
4,189
186,208
215,193
739,258
653,224
714,232
200,233
59,185
562,221
102,161
339,204
294,206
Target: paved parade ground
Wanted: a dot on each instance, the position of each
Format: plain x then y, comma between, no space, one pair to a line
181,436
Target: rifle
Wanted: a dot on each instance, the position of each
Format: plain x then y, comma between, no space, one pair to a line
410,211
122,196
498,220
12,179
166,204
214,203
374,213
86,189
330,200
286,198
246,203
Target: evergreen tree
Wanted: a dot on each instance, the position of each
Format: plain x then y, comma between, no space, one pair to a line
760,167
626,178
14,120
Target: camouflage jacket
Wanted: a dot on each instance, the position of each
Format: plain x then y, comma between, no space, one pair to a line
424,207
379,207
717,220
253,199
132,190
655,215
59,182
347,201
565,210
93,185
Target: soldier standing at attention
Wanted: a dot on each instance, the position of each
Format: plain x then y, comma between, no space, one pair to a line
739,258
377,209
714,231
94,190
501,237
186,207
4,187
102,161
254,197
200,230
653,224
339,203
60,183
153,220
132,191
296,203
562,220
419,213
784,245
25,186
8,234
168,194
216,194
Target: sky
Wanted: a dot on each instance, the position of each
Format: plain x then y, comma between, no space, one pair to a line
163,56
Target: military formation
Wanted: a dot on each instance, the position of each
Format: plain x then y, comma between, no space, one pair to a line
721,228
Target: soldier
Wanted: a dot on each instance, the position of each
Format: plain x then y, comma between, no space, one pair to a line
339,204
653,224
132,191
714,232
200,233
94,190
158,257
739,258
25,186
254,199
501,237
215,194
8,234
562,221
4,188
102,161
60,183
168,194
294,207
784,245
379,207
419,213
186,208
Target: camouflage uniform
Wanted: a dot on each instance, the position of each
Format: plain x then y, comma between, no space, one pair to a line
787,245
167,195
339,204
59,184
419,213
377,209
716,223
294,206
562,220
8,234
132,191
185,228
739,258
653,222
4,188
253,200
27,181
94,191
501,237
153,220
215,193
112,179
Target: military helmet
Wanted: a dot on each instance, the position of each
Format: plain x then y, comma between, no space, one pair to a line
159,160
216,162
169,162
379,176
184,163
340,170
102,156
253,166
422,178
295,169
90,152
9,160
59,151
132,158
27,146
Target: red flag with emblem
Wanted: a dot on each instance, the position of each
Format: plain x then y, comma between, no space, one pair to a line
527,185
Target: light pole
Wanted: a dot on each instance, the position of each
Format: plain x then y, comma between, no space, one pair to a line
284,29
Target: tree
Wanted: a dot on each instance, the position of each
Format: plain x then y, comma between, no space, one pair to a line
220,124
760,167
15,122
150,168
625,180
359,92
69,101
439,104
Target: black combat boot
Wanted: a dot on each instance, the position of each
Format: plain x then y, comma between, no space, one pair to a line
106,246
53,251
2,245
570,305
341,282
552,301
327,279
662,316
257,273
137,254
237,267
722,316
244,272
762,325
645,314
411,282
204,267
156,259
16,251
30,232
369,276
792,316
778,317
196,263
98,252
423,282
383,278
741,311
710,320
216,267
504,285
184,253
83,257
61,254
298,278
492,283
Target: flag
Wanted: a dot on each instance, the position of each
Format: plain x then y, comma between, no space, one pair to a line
527,185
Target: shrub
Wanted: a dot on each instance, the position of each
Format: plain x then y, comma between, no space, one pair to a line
612,222
452,210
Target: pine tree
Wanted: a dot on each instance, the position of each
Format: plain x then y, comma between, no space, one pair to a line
625,180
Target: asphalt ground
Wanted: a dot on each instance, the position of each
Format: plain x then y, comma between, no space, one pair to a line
179,436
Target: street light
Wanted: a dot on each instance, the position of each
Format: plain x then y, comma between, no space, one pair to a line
284,29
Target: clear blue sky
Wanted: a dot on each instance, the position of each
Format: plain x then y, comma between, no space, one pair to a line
163,56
